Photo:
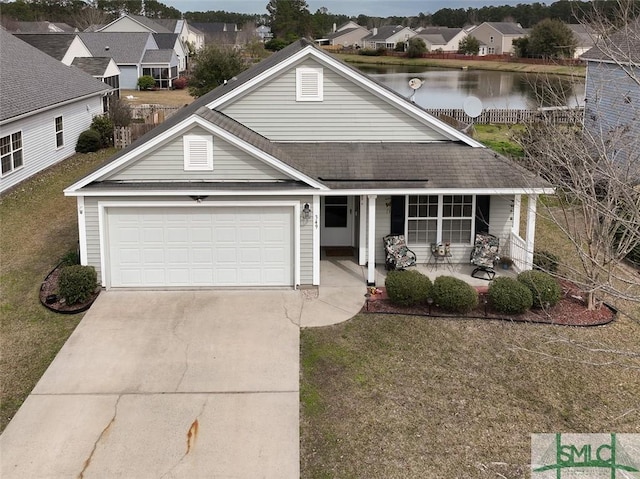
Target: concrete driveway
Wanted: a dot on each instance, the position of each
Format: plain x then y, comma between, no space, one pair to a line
196,384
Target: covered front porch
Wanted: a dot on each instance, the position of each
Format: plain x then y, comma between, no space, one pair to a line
358,223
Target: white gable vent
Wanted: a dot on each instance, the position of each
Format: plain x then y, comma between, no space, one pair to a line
198,152
308,84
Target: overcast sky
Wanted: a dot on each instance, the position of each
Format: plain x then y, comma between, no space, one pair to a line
379,8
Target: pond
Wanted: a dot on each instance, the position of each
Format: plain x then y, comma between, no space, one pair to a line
448,88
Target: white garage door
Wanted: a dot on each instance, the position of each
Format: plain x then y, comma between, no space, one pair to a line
206,246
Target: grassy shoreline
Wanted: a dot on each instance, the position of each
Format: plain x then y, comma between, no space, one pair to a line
470,64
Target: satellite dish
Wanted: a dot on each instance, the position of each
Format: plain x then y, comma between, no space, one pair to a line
415,83
472,107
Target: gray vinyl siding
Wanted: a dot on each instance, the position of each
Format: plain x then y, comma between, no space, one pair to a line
39,150
348,112
166,162
612,100
93,229
129,77
501,219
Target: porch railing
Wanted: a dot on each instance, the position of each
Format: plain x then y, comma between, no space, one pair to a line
518,252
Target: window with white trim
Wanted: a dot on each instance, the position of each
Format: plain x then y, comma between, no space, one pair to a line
59,132
11,152
445,218
422,219
457,218
309,84
198,152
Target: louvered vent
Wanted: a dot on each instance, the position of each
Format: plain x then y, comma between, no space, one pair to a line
198,152
309,84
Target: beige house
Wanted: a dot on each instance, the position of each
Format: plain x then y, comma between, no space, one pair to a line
498,36
442,38
348,35
388,36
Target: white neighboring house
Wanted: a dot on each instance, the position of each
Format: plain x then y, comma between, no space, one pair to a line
442,38
44,107
388,36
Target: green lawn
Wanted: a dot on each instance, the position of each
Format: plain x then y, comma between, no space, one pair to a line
413,397
500,138
471,64
38,226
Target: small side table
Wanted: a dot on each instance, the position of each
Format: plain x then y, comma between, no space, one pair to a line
440,254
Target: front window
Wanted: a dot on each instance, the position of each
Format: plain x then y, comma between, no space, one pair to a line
457,215
11,152
422,219
433,218
59,132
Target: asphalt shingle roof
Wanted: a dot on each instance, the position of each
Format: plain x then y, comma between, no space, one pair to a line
165,41
157,56
446,32
150,23
508,28
385,32
123,47
622,46
31,80
53,44
95,66
361,165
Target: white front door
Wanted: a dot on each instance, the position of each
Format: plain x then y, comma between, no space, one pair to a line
337,221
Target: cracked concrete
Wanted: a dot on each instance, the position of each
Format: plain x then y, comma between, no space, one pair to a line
143,367
184,384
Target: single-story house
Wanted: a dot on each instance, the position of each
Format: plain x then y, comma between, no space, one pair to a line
349,34
44,106
247,185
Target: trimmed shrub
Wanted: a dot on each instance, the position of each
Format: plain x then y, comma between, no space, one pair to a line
510,296
407,288
545,261
453,294
179,83
88,141
77,282
71,257
543,286
368,52
103,125
146,82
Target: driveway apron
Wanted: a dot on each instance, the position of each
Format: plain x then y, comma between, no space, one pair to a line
198,384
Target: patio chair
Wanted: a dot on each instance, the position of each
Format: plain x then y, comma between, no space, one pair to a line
484,256
398,255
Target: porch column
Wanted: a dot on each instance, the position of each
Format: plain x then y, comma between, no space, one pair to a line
371,217
362,232
531,230
316,240
517,203
82,231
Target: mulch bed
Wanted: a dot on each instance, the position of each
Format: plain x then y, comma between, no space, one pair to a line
571,310
50,299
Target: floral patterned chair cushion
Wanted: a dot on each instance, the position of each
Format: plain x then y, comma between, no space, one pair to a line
485,255
398,255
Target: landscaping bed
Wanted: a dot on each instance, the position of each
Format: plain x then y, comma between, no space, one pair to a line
51,300
570,310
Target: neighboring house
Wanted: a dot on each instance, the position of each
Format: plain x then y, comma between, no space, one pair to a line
168,33
264,33
40,27
442,38
44,107
162,65
218,33
585,36
195,38
71,50
245,186
388,37
101,68
171,41
612,92
498,36
128,50
63,47
348,35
